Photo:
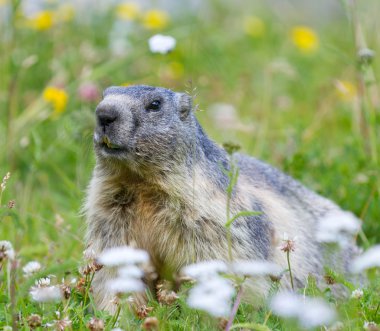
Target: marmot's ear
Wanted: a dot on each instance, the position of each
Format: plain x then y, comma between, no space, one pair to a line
185,104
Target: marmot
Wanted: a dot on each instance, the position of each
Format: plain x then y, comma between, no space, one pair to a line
160,183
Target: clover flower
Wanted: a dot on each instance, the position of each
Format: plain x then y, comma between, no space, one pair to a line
161,44
31,268
44,292
310,312
288,245
369,259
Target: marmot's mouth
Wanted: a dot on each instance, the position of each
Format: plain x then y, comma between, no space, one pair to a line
106,145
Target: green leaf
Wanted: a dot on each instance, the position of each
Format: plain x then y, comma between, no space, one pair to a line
244,213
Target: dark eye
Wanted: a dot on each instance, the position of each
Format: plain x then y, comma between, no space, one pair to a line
154,105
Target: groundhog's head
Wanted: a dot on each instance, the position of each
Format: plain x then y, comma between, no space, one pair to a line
143,126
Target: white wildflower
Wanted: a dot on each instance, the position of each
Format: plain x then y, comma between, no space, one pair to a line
256,268
125,285
310,312
6,250
161,44
122,255
31,268
338,227
369,259
7,328
285,304
131,271
213,296
46,293
357,294
370,326
205,269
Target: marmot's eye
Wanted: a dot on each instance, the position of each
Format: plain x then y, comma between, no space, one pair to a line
154,105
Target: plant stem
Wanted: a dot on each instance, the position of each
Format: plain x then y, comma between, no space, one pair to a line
235,308
116,316
87,289
290,269
377,310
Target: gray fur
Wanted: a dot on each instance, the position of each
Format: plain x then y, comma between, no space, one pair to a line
162,188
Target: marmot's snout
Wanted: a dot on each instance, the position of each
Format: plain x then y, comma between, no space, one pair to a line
113,127
105,116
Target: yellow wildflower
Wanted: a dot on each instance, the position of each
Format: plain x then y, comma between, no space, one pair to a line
176,69
305,39
346,90
57,97
65,13
155,19
127,11
42,20
254,26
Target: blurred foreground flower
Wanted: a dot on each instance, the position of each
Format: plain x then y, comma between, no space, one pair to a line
42,20
129,274
212,293
155,19
31,268
252,268
305,39
57,97
345,90
127,11
205,269
369,259
310,312
254,26
338,227
161,44
122,255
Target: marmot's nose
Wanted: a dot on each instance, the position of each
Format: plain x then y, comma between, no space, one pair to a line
106,116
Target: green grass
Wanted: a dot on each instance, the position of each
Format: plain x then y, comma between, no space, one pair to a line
287,101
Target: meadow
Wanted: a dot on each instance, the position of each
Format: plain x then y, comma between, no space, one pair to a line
291,85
